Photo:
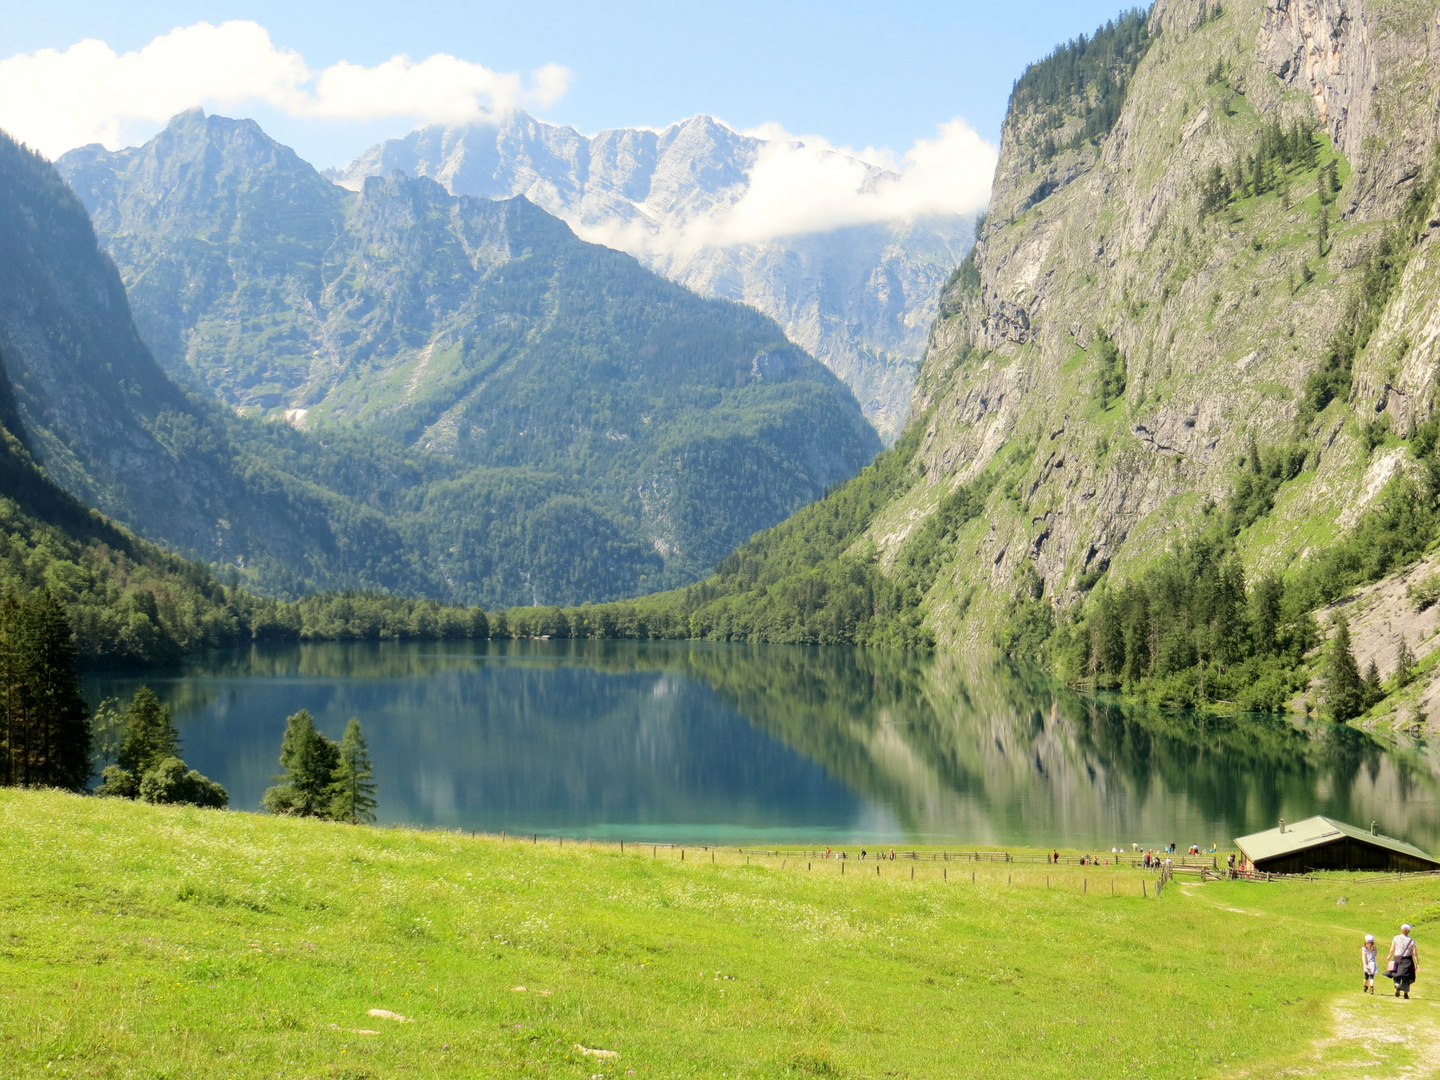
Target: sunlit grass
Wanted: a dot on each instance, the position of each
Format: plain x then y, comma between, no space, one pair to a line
138,941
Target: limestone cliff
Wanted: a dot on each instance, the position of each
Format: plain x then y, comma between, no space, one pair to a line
1219,315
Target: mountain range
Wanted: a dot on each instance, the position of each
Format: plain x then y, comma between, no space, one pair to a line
859,298
501,413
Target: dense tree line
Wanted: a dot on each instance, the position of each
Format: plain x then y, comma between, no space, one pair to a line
1084,79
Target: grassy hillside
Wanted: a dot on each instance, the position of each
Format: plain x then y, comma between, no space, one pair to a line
145,941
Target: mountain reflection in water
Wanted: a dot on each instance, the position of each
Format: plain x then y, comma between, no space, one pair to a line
706,742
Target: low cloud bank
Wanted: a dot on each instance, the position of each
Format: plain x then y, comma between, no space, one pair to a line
801,185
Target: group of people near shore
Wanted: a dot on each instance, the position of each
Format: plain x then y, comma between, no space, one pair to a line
1401,963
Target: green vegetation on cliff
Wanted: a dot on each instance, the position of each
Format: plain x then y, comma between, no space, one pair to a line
1083,80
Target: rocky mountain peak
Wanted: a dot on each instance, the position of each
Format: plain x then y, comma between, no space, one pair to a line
858,298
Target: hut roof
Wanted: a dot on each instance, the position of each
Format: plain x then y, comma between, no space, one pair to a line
1315,832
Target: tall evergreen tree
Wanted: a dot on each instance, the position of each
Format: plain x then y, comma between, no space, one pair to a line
1404,663
150,733
1345,691
1374,686
352,792
44,724
309,760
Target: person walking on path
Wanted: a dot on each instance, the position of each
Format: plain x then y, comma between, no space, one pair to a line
1402,964
1368,964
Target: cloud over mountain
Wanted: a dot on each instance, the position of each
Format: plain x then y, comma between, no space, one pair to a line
57,100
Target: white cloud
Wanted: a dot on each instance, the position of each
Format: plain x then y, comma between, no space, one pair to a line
58,100
805,185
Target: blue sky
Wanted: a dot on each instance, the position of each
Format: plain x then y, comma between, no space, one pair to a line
881,75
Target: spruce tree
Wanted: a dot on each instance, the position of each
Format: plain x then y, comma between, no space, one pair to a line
309,760
1322,236
1345,692
352,792
1404,664
1374,687
45,732
150,734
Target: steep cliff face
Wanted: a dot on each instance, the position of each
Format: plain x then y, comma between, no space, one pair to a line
1122,336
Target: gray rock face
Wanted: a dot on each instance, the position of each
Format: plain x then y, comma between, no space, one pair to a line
859,298
1220,317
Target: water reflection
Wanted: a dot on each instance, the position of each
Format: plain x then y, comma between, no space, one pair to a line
700,741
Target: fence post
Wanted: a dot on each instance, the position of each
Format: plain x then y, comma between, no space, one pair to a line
912,873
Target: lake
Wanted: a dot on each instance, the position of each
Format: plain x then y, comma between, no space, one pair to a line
716,743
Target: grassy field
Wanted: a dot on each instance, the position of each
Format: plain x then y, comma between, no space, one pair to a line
140,941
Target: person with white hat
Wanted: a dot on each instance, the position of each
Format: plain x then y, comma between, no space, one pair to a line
1368,964
1403,962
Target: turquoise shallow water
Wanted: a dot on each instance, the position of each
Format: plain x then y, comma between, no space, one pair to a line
713,743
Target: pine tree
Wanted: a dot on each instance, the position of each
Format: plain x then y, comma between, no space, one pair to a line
1345,692
352,792
1404,664
309,760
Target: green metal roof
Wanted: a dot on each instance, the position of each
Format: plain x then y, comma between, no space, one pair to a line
1314,832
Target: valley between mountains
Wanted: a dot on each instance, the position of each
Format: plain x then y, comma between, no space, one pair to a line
1177,402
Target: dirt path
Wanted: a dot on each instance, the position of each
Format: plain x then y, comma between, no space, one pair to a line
1372,1038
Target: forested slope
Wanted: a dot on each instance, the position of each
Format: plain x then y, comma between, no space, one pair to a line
1181,399
557,422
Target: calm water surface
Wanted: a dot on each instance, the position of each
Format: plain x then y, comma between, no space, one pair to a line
705,742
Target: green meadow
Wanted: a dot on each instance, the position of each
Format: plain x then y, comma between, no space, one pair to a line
159,942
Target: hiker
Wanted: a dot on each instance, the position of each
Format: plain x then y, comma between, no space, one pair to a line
1402,964
892,854
1367,964
862,853
1057,856
1231,861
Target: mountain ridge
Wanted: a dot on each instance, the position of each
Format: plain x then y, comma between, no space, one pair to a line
858,297
359,508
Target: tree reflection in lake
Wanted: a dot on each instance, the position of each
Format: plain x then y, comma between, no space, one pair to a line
708,741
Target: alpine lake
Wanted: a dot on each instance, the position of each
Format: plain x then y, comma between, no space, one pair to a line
705,743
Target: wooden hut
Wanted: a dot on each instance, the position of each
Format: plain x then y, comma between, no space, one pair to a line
1321,843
